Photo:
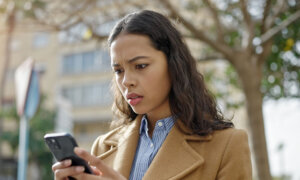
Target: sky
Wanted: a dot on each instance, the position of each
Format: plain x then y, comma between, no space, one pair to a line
282,125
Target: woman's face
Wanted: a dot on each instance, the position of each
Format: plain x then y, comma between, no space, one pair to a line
141,73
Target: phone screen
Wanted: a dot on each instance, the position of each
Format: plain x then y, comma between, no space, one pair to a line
62,147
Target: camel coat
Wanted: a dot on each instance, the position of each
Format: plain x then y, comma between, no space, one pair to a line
223,155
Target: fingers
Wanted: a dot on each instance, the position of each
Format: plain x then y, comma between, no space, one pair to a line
91,159
105,171
64,169
70,171
62,164
88,176
96,171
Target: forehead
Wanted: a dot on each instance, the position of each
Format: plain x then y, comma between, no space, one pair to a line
129,45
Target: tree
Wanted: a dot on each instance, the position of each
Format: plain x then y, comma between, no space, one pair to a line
245,42
239,32
40,124
282,70
10,21
9,9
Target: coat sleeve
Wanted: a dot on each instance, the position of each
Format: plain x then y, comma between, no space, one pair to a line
236,160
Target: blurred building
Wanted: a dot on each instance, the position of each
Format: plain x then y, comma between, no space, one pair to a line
75,77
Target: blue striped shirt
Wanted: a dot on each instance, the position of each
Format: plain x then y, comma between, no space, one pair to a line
147,147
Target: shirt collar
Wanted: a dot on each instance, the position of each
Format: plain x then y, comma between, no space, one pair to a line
168,123
144,125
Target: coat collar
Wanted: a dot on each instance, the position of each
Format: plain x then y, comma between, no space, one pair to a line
176,154
175,149
123,145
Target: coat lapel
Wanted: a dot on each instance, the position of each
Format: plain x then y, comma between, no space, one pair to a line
176,158
122,154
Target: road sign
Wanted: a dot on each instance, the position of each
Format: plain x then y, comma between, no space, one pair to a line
27,96
33,95
22,80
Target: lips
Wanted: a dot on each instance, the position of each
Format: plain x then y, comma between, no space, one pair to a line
134,99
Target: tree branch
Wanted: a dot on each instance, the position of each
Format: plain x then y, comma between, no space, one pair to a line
66,15
249,24
245,12
271,32
209,58
214,13
222,48
266,12
278,8
267,48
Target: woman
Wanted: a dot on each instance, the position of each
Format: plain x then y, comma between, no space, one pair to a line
169,126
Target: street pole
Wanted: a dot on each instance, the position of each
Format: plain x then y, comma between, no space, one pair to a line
23,148
28,97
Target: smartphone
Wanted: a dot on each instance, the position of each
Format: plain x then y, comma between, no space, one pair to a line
62,147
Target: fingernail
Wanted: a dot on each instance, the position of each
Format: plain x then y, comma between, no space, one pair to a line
79,168
67,162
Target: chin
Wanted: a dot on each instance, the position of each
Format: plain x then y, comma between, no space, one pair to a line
139,110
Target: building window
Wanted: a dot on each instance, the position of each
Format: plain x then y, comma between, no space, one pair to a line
40,40
96,94
93,61
10,74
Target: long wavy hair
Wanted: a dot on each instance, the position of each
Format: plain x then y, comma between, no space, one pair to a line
190,101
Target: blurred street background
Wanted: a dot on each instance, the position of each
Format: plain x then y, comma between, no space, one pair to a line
248,51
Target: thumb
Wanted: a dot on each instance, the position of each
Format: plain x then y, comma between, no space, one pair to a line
93,160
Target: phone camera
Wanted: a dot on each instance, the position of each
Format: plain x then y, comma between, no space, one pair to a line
53,143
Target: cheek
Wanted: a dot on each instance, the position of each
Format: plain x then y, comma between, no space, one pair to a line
159,82
161,77
119,84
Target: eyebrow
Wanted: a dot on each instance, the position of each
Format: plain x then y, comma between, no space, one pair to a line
131,60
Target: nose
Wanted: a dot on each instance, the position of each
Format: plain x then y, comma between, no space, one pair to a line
128,80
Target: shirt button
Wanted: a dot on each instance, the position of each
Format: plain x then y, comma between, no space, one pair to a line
151,145
160,124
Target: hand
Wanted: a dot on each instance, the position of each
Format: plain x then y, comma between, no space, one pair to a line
103,172
62,170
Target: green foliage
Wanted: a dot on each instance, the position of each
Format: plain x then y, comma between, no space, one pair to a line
231,74
232,83
192,5
223,87
12,137
281,77
35,5
233,38
25,7
282,68
40,124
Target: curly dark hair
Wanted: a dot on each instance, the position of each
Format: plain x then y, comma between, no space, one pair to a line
190,101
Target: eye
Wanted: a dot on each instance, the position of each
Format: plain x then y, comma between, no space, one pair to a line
117,71
141,66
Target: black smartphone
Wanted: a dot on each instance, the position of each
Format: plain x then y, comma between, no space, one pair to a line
62,147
